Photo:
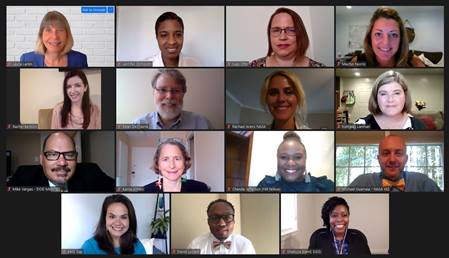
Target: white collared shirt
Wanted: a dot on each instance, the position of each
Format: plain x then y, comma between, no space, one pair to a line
239,245
183,60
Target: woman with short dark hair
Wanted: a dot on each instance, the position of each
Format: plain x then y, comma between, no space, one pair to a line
337,237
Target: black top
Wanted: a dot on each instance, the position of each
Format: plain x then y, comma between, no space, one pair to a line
322,239
362,61
187,186
416,123
88,177
316,184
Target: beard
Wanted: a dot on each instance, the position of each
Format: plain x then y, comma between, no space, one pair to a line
169,113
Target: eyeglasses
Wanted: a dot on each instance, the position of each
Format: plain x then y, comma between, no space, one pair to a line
54,155
226,218
164,91
276,31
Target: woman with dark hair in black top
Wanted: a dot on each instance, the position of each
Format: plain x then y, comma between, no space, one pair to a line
337,238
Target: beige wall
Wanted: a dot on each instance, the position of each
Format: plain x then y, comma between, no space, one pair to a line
260,221
319,146
205,94
369,213
209,159
42,88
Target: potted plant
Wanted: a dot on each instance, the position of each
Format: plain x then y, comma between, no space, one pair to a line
159,226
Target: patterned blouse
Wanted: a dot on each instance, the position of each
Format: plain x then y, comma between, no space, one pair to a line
262,62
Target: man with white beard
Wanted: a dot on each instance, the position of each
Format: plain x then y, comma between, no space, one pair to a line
169,87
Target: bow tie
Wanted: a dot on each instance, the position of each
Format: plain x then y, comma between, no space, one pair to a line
400,184
217,244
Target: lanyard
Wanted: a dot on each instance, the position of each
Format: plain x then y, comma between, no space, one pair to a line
339,250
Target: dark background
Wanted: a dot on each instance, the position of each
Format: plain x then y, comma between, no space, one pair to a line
31,221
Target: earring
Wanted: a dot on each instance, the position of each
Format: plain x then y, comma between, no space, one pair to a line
159,183
307,177
277,178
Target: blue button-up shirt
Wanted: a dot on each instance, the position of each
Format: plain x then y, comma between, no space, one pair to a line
187,120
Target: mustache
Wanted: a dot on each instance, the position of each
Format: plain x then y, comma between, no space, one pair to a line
170,102
61,168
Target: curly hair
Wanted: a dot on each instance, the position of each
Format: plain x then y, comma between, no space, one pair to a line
329,206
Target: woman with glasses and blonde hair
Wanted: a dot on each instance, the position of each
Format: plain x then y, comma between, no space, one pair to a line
283,95
170,162
54,45
287,42
390,104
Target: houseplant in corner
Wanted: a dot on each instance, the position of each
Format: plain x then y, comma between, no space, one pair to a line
159,226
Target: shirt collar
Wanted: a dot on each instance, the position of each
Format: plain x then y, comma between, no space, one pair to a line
176,124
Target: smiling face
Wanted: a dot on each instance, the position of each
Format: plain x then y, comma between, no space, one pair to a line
170,37
283,45
281,98
339,220
391,99
75,89
54,38
392,156
168,104
117,220
61,170
385,40
220,229
291,158
171,163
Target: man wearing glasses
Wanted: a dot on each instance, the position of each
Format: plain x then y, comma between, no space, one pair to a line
169,89
221,240
59,169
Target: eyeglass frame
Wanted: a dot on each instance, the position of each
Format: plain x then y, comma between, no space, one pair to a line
164,91
285,30
59,155
218,218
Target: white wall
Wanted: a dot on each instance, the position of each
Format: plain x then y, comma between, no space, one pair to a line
428,24
205,94
427,86
203,32
319,146
80,214
209,159
246,31
369,213
42,88
93,33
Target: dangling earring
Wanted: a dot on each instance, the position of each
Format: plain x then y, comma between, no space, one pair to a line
159,183
307,177
277,178
183,179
